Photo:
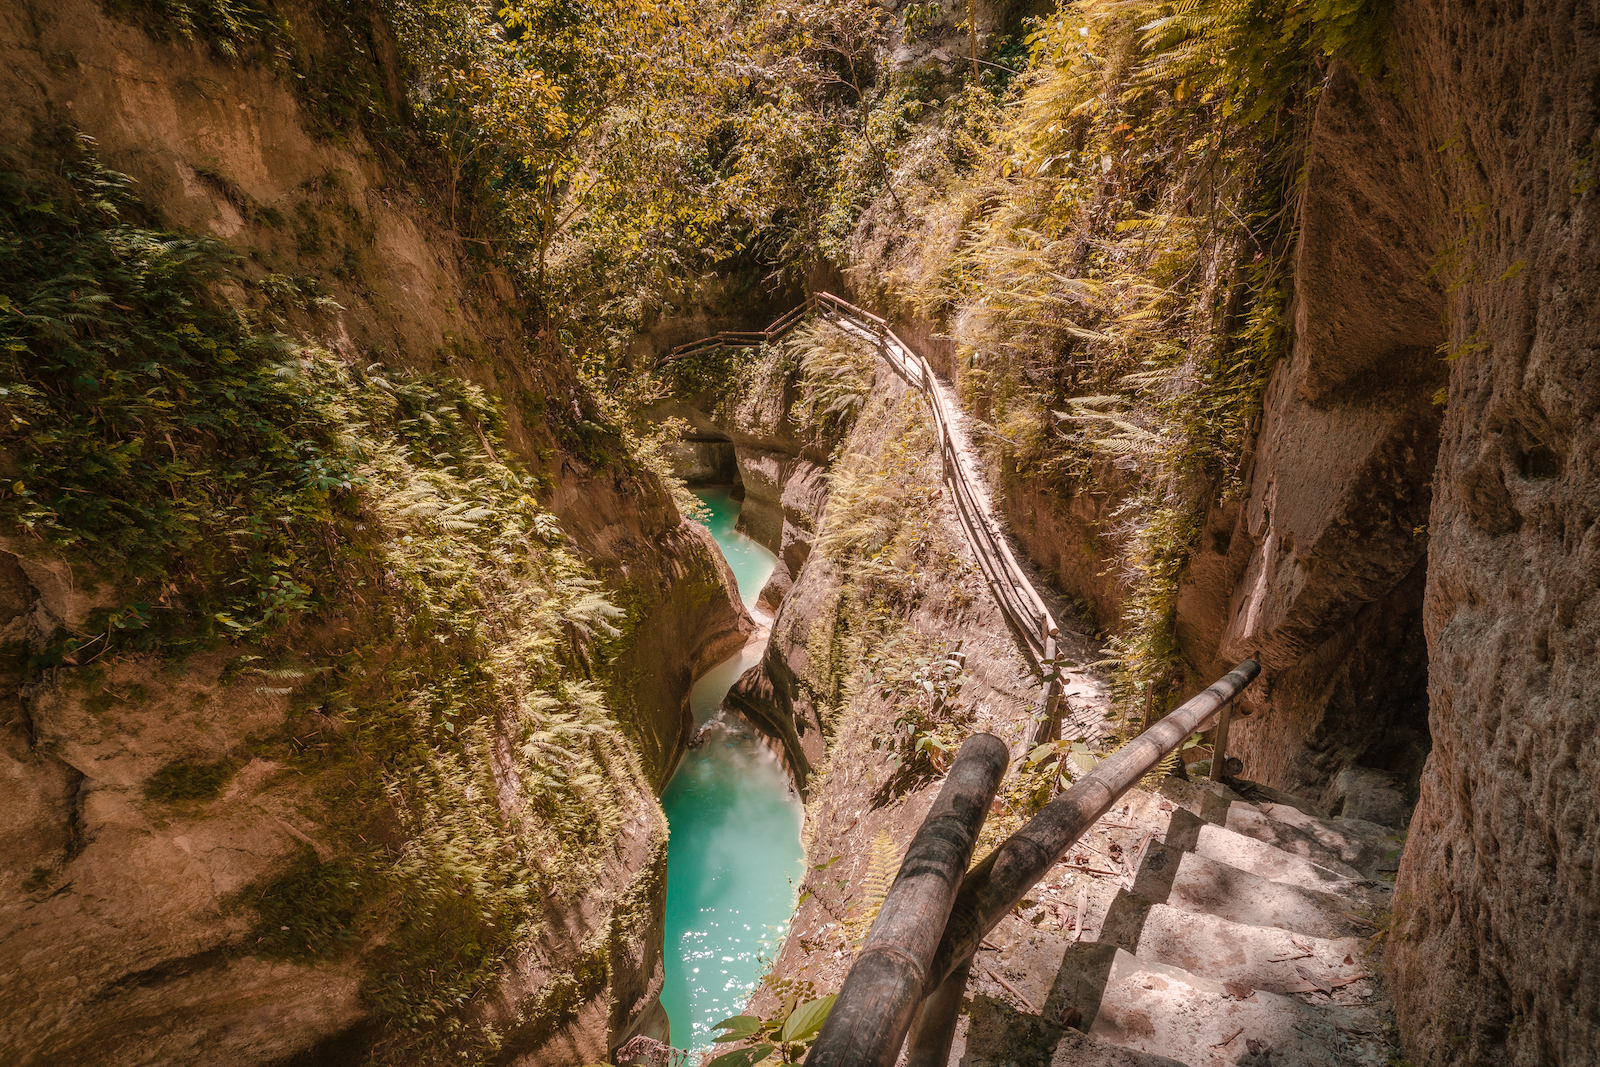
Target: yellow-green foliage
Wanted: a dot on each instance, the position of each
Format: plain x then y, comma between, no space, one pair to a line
1119,286
882,532
476,723
881,526
836,373
883,863
811,384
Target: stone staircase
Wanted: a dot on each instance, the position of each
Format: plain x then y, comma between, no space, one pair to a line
1244,932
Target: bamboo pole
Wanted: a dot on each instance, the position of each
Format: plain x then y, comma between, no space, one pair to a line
886,982
1000,880
935,1028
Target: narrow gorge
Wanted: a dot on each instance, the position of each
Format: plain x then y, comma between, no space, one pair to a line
484,579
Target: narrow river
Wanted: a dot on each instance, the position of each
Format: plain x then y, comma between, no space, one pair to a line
734,858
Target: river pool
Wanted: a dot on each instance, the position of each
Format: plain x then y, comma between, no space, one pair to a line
734,858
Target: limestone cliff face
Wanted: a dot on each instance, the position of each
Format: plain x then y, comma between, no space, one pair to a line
1413,560
1421,513
1497,918
1369,554
1317,571
132,899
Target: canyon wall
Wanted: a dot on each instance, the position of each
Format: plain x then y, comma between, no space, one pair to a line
164,805
1316,572
1497,917
1413,558
1421,513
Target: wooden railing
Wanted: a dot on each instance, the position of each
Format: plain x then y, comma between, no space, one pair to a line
1024,609
906,978
902,964
741,338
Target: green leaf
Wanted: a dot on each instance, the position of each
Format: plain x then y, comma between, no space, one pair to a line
739,1027
744,1057
807,1019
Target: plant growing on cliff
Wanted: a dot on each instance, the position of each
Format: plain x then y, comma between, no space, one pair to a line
1119,284
146,427
469,769
783,1038
474,724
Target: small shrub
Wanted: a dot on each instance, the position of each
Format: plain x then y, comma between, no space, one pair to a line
190,781
309,912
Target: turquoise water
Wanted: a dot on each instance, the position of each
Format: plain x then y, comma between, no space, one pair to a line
734,859
752,564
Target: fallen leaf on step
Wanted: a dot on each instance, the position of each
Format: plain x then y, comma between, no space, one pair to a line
1238,990
1316,983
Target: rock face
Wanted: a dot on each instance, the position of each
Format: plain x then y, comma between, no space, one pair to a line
777,466
1318,571
1497,920
127,906
1397,530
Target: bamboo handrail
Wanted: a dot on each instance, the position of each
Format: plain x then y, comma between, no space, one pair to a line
881,992
1022,605
988,893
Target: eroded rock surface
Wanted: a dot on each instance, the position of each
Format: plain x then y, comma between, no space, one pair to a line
1497,920
127,909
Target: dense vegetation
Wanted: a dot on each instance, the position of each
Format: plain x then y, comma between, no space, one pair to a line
362,540
149,428
1099,211
1122,271
1106,235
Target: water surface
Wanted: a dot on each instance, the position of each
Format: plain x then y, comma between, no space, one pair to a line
751,562
734,858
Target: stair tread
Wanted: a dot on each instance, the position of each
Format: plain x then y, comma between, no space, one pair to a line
1249,853
1366,847
1192,882
1164,1010
998,1035
1076,1049
1261,957
1363,845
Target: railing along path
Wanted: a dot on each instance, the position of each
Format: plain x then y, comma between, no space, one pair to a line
913,966
1020,603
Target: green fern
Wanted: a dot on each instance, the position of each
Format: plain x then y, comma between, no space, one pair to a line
883,863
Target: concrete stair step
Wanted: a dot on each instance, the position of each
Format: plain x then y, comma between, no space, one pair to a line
1366,846
1296,827
1261,957
1189,831
1191,882
1077,1049
998,1035
1205,798
1158,1009
1309,838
